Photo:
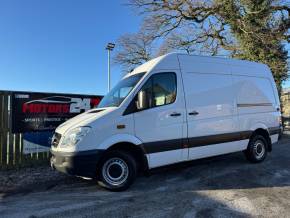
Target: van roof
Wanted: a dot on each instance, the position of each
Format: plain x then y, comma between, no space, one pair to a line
174,61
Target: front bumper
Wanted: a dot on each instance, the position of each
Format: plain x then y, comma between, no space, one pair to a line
82,163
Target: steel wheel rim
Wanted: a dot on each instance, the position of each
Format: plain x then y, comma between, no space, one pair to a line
259,149
115,164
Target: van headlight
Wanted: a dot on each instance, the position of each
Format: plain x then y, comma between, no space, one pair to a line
74,136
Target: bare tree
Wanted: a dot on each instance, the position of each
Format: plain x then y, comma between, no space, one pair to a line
248,29
188,42
133,50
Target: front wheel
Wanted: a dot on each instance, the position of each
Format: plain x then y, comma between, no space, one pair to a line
257,149
117,171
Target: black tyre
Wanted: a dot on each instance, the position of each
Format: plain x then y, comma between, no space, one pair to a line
257,149
117,171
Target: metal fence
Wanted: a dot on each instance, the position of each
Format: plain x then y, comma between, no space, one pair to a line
11,145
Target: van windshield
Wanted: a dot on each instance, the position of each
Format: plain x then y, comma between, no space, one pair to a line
117,95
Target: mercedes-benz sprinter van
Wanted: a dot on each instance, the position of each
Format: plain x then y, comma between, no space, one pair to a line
172,109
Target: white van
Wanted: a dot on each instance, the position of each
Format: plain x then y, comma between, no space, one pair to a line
171,109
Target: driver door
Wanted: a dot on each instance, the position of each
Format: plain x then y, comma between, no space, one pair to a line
160,124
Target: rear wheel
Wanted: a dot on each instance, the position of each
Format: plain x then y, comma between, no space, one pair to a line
117,171
257,149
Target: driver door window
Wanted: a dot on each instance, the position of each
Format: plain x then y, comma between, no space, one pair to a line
160,90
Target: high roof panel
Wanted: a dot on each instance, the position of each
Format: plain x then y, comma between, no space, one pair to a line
172,61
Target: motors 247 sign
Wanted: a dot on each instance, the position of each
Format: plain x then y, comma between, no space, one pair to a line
45,111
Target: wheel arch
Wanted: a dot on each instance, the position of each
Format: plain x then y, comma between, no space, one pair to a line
128,143
137,151
265,133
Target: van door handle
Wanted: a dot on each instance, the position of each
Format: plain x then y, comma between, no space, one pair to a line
193,113
175,114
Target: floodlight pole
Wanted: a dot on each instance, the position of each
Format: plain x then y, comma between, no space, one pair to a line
109,70
109,48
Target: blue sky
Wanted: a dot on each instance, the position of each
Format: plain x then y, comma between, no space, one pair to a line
58,45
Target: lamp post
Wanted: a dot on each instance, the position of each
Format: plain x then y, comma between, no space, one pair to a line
109,48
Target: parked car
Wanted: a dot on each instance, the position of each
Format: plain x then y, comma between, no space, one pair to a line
172,109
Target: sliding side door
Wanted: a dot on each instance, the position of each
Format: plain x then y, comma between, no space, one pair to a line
211,114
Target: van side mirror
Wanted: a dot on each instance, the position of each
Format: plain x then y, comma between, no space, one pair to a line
142,101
